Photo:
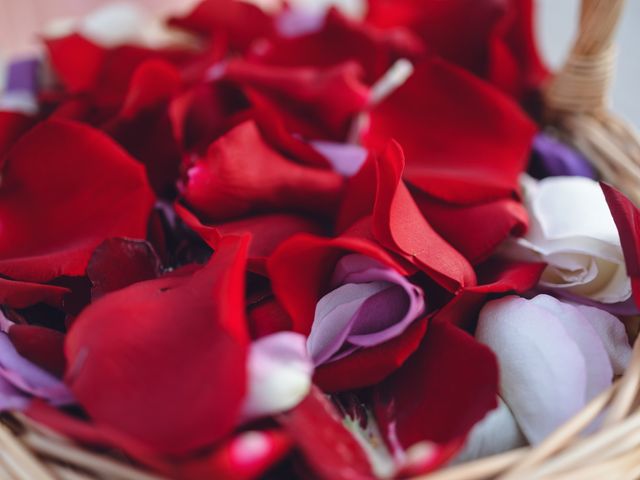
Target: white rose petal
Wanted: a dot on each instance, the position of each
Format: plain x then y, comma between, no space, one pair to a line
553,357
572,230
279,371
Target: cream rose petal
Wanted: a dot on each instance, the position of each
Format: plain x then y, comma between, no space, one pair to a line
279,374
543,372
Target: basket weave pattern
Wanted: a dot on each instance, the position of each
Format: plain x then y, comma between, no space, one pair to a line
576,108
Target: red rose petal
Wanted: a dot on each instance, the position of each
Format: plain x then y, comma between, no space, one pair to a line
267,232
327,446
65,188
12,126
241,175
458,385
176,346
119,262
475,230
464,141
17,294
240,22
342,39
40,345
627,218
329,97
399,226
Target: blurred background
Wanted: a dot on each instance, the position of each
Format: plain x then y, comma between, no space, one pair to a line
20,20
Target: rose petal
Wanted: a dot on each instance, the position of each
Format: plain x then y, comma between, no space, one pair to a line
279,371
56,207
552,361
151,336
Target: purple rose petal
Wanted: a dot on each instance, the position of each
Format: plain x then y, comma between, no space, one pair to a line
552,158
22,76
345,158
370,304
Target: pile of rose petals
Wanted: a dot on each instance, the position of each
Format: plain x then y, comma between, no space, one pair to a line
303,242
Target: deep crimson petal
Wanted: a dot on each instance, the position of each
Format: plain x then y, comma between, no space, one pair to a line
240,22
176,345
370,365
119,262
12,126
475,230
627,218
492,38
40,345
464,141
65,188
329,97
495,277
241,175
399,226
458,385
143,125
327,446
76,61
267,232
17,294
339,40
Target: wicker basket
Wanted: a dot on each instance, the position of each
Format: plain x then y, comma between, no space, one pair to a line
576,108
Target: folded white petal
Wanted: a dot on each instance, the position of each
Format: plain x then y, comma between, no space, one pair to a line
279,371
543,373
498,432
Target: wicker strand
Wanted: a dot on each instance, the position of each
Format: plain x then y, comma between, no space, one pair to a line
576,99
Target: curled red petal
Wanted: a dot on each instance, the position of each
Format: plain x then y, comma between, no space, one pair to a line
267,231
475,230
119,262
42,346
627,218
18,294
464,141
176,345
66,187
241,175
458,386
331,450
399,226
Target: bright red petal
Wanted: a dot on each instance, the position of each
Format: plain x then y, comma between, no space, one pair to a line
65,188
172,349
464,141
458,385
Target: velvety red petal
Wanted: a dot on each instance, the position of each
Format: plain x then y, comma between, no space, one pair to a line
17,294
475,230
464,141
370,365
492,38
65,188
399,226
42,346
241,175
339,40
458,385
330,97
327,446
627,218
119,262
12,126
266,316
239,22
176,345
267,232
